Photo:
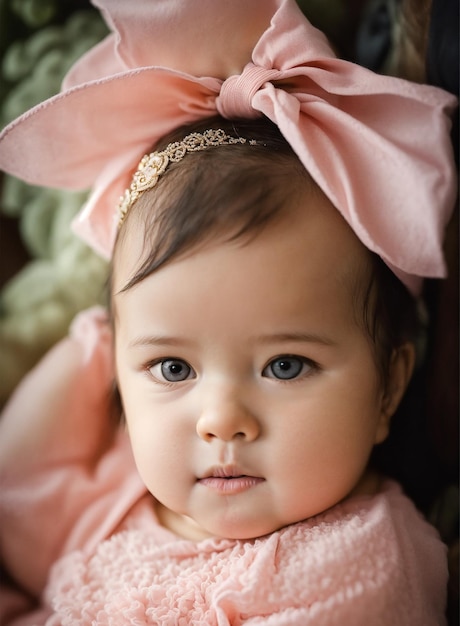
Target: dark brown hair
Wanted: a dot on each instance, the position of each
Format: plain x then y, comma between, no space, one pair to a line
233,190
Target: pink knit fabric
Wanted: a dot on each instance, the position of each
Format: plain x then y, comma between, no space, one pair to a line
79,533
370,561
378,146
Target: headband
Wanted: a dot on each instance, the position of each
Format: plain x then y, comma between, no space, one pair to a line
153,165
378,146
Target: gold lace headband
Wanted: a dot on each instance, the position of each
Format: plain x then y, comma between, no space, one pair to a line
153,165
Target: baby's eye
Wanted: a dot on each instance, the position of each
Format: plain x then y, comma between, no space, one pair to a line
287,367
171,370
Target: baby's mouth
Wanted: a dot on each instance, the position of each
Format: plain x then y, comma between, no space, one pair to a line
229,480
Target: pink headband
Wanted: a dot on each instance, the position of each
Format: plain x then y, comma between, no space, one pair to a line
378,146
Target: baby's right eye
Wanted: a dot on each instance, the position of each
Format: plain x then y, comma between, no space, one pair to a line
171,370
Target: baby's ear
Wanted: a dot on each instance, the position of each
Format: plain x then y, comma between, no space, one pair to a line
399,374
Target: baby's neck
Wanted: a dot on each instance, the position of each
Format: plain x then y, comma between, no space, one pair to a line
180,525
369,484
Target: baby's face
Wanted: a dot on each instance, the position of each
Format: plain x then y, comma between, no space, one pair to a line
251,394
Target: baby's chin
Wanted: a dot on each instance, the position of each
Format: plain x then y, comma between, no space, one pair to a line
189,528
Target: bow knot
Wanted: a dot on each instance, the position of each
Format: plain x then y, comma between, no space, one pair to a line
357,133
237,92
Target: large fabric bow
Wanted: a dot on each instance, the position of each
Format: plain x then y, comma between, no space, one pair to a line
378,146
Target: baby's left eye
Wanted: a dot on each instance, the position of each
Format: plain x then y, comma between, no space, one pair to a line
287,367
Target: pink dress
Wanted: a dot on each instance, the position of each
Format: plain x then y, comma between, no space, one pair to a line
80,539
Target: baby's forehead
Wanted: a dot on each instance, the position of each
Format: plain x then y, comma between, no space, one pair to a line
306,221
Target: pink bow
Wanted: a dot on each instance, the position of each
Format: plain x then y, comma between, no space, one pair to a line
378,146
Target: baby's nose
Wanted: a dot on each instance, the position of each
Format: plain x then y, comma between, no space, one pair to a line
227,420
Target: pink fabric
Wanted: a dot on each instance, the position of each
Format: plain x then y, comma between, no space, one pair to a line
361,563
79,533
378,146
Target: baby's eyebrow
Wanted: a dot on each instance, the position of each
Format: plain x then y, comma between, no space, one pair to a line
298,337
158,340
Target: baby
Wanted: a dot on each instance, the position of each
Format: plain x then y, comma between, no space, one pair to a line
245,320
261,335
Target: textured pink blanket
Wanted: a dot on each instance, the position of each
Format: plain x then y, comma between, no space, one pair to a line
372,561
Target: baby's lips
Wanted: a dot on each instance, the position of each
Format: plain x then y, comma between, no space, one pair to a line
226,471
